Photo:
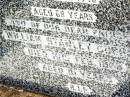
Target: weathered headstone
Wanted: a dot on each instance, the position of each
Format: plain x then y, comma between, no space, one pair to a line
66,48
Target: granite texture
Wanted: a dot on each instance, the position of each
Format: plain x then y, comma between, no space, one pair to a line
20,70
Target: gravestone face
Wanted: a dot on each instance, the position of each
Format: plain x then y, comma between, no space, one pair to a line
66,48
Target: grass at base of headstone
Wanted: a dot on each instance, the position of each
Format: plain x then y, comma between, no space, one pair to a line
7,91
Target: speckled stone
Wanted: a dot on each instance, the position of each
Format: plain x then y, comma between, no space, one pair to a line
20,70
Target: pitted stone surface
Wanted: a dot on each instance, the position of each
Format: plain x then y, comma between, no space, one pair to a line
66,48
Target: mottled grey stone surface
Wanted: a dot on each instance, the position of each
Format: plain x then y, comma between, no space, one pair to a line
21,70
